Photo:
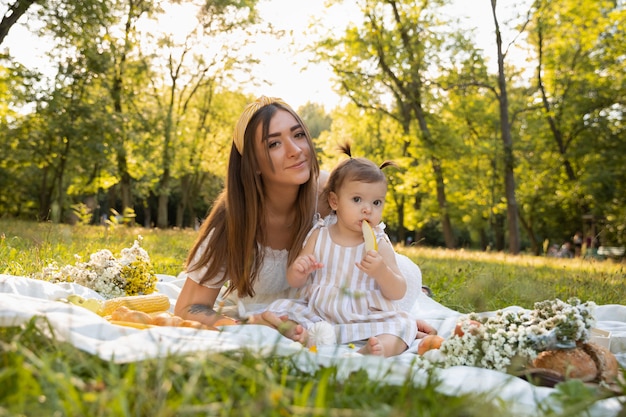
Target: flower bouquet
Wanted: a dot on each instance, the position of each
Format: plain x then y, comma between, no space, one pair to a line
550,340
129,274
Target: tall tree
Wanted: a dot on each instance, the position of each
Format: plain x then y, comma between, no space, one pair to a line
507,141
384,66
193,66
579,75
119,85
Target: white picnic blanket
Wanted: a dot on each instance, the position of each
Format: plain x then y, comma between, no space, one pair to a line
23,298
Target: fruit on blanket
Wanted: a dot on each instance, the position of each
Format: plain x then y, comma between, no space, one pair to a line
140,326
149,303
193,324
165,318
458,330
432,341
369,236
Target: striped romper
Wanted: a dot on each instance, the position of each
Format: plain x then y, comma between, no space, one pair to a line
346,297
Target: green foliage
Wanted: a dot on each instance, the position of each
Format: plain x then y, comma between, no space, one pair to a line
315,117
121,123
82,212
117,219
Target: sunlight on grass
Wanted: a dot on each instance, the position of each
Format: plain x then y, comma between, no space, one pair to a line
480,281
462,280
27,247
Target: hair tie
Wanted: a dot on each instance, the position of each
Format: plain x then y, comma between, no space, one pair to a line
248,112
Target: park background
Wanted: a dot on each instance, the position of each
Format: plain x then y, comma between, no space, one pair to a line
508,129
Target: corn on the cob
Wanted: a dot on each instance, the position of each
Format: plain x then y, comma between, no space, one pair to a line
148,303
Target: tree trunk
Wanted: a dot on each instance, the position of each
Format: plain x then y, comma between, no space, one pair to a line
163,194
534,244
498,231
125,178
554,128
181,207
507,140
444,217
45,196
442,201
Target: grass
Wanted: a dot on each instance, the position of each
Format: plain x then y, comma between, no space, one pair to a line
26,247
41,376
469,281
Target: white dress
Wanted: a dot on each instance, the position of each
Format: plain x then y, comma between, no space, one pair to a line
343,295
270,285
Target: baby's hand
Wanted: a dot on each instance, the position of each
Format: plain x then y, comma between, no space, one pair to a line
372,264
306,264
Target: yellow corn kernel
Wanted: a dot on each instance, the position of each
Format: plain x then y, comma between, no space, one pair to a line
149,303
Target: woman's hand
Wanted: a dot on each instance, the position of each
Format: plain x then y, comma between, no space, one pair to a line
424,329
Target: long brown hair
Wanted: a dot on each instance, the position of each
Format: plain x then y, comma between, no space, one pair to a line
237,222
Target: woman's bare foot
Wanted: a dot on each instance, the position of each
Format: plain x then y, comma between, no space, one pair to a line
373,347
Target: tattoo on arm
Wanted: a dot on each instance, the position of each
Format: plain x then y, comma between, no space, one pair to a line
201,309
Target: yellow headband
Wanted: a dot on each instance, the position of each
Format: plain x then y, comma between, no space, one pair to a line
248,112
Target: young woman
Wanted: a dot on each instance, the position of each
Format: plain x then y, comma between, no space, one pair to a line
343,283
267,207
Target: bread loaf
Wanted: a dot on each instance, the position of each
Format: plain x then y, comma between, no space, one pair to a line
166,319
605,361
124,314
133,316
570,363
